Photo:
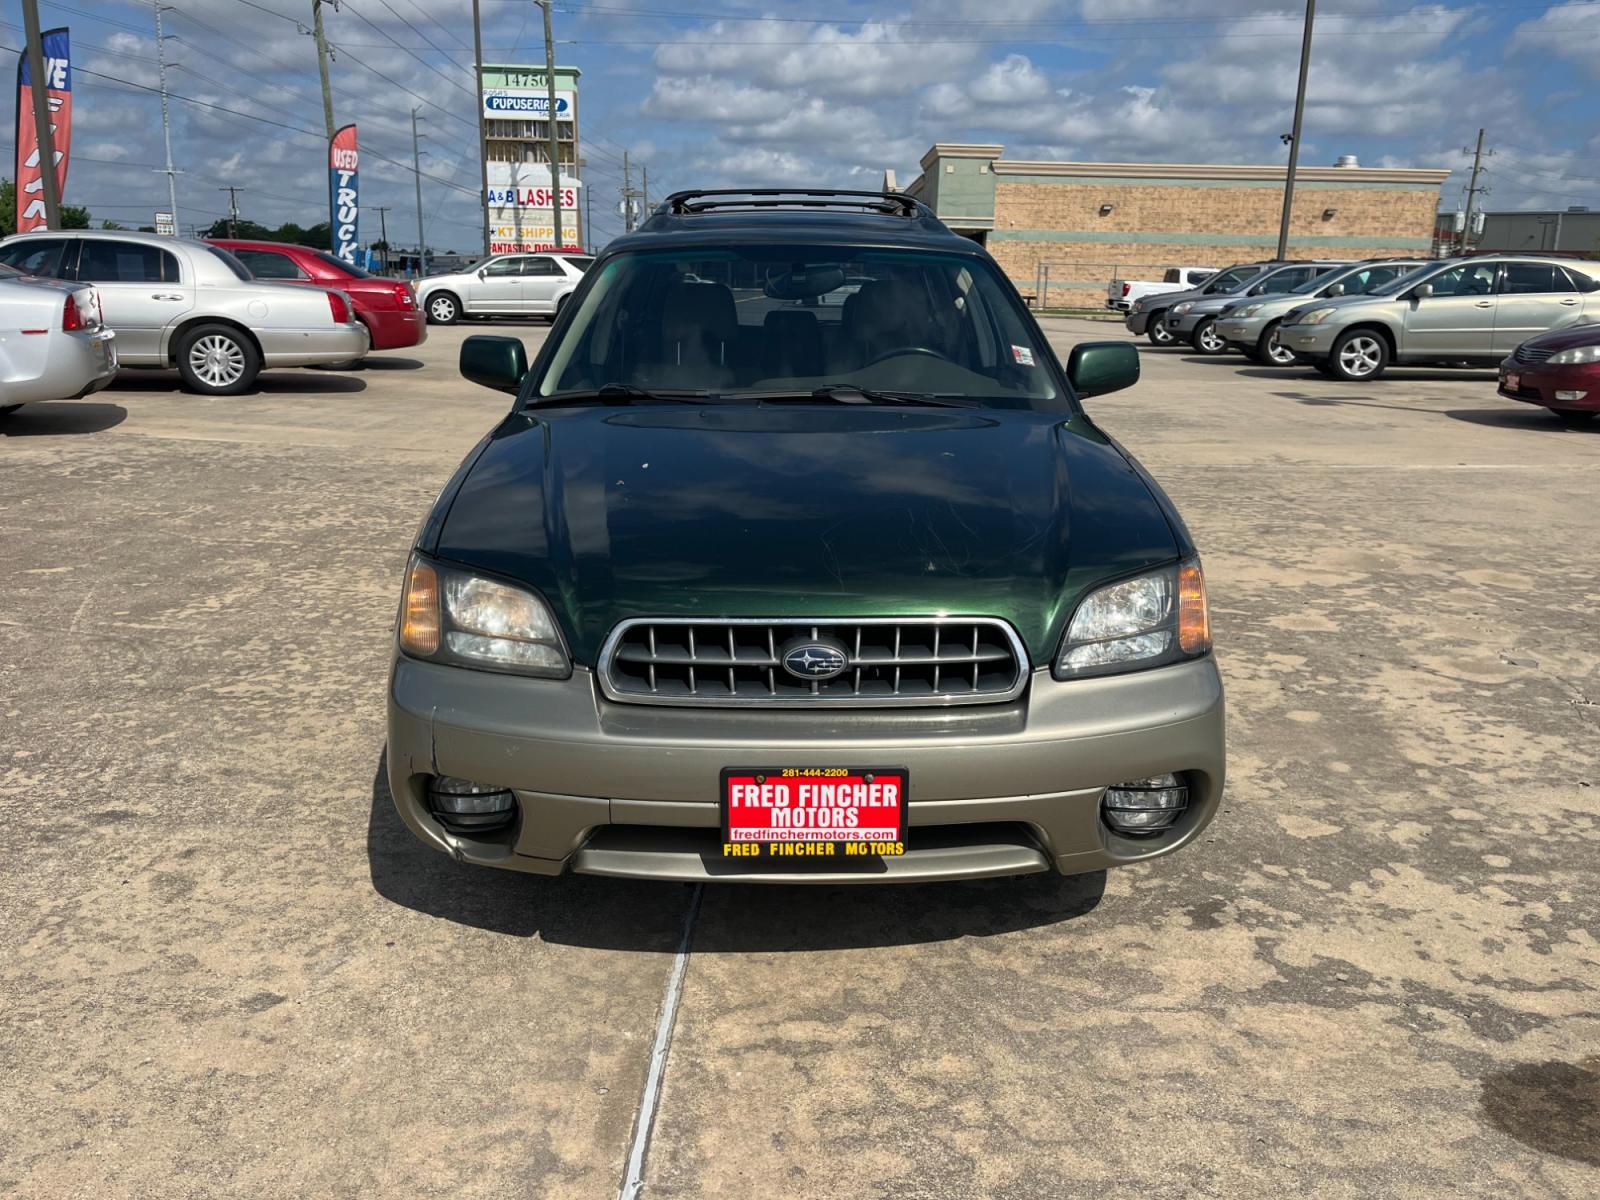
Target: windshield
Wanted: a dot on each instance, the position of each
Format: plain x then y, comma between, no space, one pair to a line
1402,282
793,319
339,264
1231,279
1358,280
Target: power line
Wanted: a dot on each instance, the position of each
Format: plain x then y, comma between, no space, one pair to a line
383,33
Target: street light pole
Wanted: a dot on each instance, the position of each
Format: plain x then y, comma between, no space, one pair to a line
555,142
166,123
416,169
1294,137
483,132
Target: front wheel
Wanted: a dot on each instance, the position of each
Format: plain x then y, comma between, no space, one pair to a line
1157,330
1207,340
217,360
1572,418
1359,355
443,309
1270,352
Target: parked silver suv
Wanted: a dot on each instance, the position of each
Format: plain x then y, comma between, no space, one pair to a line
504,285
1251,325
1195,321
1149,315
1471,311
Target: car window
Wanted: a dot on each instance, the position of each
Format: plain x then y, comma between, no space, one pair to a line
1369,279
793,318
344,268
101,260
1230,279
1581,281
1283,281
236,268
36,256
582,262
1469,279
1526,279
269,264
504,266
540,266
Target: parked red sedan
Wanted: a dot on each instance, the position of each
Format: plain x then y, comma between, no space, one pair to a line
1559,370
387,307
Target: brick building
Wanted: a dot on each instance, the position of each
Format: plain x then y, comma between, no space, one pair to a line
1062,230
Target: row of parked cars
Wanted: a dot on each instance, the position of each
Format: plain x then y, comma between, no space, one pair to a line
1535,316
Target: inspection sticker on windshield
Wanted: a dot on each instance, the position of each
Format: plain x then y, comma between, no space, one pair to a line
813,812
1023,355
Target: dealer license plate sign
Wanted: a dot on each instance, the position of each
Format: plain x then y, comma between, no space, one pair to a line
798,813
1513,381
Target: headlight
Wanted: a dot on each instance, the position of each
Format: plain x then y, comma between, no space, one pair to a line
1317,316
1249,310
1179,309
1138,306
453,616
1578,354
1147,621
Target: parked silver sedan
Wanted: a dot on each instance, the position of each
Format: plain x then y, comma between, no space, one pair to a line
52,343
193,306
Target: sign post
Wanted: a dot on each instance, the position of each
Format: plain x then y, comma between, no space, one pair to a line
166,224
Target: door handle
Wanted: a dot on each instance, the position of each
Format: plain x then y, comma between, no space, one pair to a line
1484,304
164,296
1569,303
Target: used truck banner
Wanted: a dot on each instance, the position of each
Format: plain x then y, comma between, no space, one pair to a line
344,203
58,82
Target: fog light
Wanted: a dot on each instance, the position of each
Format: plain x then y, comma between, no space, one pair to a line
1145,805
463,806
1571,395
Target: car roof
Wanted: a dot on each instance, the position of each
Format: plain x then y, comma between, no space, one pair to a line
120,235
256,244
885,219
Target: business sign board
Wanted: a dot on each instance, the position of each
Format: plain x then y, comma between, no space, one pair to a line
344,196
533,197
525,103
513,232
58,96
165,225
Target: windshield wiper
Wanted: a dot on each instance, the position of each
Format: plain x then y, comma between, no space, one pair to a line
849,393
626,393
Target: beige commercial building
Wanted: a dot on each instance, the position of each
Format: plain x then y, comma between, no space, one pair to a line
1063,230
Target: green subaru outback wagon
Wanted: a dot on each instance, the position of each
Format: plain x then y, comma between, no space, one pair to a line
798,560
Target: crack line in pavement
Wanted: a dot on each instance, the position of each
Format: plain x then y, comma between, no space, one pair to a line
645,1120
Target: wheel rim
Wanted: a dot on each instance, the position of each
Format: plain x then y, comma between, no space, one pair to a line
1210,339
217,360
1162,333
1360,355
442,309
1278,352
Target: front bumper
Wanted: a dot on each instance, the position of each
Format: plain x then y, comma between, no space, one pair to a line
1309,341
1137,322
1184,326
313,347
1242,331
631,790
1538,384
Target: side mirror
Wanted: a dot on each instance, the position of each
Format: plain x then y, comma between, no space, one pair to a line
483,273
1096,368
495,362
1422,291
1336,289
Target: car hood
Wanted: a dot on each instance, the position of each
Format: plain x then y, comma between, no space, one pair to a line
1310,303
1566,337
803,512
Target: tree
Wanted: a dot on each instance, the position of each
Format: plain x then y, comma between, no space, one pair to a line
72,216
112,225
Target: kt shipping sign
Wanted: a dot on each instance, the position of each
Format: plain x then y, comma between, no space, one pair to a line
58,94
344,205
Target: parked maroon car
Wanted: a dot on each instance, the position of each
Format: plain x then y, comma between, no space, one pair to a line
1559,370
387,307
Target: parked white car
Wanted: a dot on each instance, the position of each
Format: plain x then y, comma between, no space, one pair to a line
193,306
1121,293
503,285
52,343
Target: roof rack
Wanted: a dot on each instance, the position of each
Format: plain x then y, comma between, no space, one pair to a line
891,203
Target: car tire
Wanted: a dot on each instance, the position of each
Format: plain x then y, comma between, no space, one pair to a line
443,309
1572,418
217,360
1206,340
1156,330
1269,352
1359,355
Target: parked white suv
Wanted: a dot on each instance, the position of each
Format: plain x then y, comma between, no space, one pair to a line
503,285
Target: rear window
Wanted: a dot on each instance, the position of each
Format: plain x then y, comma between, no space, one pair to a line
239,270
340,265
269,264
582,263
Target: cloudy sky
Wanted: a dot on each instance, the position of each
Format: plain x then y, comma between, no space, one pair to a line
717,92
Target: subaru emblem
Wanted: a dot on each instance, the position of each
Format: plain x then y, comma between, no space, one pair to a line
815,662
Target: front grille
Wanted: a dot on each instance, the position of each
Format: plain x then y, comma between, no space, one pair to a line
1531,354
887,661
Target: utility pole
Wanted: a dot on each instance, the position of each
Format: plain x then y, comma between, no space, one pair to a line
416,168
627,196
644,190
1472,189
166,122
555,141
588,219
383,235
483,132
323,54
41,115
1294,137
233,210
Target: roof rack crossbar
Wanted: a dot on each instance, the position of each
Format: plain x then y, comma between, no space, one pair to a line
705,200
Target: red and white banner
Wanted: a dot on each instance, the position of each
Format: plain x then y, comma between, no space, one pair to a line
58,84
